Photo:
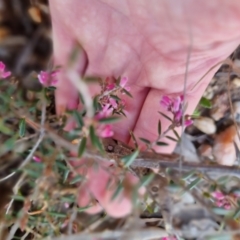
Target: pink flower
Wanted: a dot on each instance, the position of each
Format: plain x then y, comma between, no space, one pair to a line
3,73
175,106
221,200
37,159
113,102
123,83
166,102
66,205
177,102
110,86
105,112
105,131
48,78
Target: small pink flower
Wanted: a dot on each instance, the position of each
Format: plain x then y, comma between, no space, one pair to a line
37,159
66,205
113,102
188,122
3,74
48,78
178,116
105,131
110,86
123,82
166,102
218,195
105,112
175,106
221,200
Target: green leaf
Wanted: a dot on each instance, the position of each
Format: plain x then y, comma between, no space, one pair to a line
146,180
196,113
96,104
133,138
164,115
127,93
162,143
51,88
82,146
159,128
66,174
204,102
115,97
128,160
77,179
122,112
176,134
194,183
118,80
109,120
18,197
189,175
94,139
22,127
171,138
223,211
236,214
57,214
82,209
145,140
78,118
117,191
4,129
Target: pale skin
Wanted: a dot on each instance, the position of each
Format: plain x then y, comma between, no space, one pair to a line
148,42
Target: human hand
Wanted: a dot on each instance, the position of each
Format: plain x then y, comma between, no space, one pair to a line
148,42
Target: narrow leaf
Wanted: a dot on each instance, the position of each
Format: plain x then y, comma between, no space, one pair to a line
162,143
96,104
171,138
82,146
22,127
57,214
134,138
145,140
117,191
194,183
115,97
78,118
76,179
109,120
66,174
164,115
159,128
204,102
176,134
82,209
128,160
94,139
146,180
127,93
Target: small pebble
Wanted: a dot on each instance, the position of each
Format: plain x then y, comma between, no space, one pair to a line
205,150
205,124
236,111
236,82
224,150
